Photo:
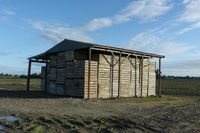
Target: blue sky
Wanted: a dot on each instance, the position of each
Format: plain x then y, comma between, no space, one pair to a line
168,27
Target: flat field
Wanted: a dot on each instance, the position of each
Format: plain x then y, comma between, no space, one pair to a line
18,83
181,86
41,113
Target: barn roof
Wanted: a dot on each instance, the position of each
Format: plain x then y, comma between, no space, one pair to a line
67,44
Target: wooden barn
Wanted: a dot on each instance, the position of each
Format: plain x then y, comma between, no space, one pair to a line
86,70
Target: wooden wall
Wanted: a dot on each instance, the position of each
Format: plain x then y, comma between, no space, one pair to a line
67,74
75,78
43,78
93,79
130,86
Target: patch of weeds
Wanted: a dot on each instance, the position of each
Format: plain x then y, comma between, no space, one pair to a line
46,120
69,126
76,122
39,129
106,130
57,120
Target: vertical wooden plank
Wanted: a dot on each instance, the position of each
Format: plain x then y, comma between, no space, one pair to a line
141,76
112,74
28,76
148,78
135,77
89,67
159,91
65,85
119,76
46,77
98,77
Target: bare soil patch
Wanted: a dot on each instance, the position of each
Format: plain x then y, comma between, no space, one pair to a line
43,114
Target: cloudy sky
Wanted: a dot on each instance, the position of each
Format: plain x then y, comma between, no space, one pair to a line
168,27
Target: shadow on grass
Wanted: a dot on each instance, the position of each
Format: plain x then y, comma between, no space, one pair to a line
26,94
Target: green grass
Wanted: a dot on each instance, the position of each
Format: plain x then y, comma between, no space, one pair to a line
181,86
169,86
18,83
38,112
77,115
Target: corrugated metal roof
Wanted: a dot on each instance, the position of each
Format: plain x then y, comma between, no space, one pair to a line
66,45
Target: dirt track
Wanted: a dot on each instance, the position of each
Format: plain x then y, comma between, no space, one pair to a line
168,115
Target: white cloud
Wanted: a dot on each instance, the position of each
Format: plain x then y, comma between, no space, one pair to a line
143,9
149,42
8,12
191,15
182,67
56,33
191,12
5,14
97,23
190,28
4,53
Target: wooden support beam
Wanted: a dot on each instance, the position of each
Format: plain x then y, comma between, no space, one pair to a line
135,77
106,60
89,69
132,63
124,53
125,58
98,80
114,56
39,61
112,75
46,71
159,81
119,76
65,78
141,77
148,78
28,76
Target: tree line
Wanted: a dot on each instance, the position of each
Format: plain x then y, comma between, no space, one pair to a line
179,77
38,75
6,75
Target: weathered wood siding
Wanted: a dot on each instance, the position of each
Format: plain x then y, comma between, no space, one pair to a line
43,78
93,79
152,79
75,78
132,82
104,76
67,74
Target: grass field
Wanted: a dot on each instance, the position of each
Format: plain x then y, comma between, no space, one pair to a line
181,86
40,113
169,86
18,83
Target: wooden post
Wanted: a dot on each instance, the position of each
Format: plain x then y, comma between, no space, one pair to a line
28,76
89,69
159,75
148,78
46,77
141,76
112,75
98,80
119,76
135,77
